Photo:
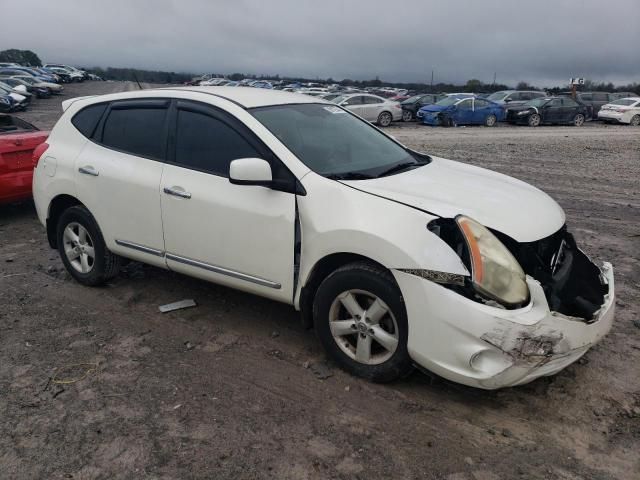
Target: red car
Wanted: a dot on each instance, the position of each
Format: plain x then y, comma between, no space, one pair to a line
18,140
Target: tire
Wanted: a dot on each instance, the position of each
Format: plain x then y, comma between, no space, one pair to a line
79,237
534,120
578,120
635,121
363,353
407,116
490,121
384,119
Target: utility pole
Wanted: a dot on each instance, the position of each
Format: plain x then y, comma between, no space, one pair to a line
431,89
494,79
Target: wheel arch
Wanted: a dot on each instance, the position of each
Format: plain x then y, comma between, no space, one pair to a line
321,270
57,206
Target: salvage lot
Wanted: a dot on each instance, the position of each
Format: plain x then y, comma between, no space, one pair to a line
235,388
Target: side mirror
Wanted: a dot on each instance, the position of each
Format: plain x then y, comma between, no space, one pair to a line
250,171
507,100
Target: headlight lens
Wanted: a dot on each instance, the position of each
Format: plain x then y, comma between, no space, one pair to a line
494,271
524,112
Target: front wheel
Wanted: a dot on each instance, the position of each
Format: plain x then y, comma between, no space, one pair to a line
384,119
635,120
578,120
534,120
490,121
82,248
407,115
361,321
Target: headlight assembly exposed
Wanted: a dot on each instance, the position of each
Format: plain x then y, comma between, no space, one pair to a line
495,273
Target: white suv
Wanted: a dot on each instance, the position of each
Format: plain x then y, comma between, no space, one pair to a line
395,258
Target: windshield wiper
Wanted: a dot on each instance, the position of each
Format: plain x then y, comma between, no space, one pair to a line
349,176
400,167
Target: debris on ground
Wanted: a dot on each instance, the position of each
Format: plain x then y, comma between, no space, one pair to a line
73,373
189,345
170,307
636,323
321,370
275,334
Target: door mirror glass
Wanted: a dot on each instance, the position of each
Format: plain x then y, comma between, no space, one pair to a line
250,171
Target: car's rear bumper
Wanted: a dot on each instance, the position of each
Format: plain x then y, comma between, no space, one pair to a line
610,115
487,347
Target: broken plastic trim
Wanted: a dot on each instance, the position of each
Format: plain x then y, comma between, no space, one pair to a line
437,277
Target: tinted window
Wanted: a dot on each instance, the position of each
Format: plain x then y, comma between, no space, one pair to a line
601,97
372,100
465,105
139,131
481,103
358,100
537,94
514,97
586,97
556,102
87,118
569,102
208,144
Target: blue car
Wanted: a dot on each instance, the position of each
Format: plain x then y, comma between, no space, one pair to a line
462,110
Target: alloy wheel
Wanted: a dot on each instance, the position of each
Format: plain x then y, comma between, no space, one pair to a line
578,120
635,120
384,120
534,120
363,327
407,116
78,247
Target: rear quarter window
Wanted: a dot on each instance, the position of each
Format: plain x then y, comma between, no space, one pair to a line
87,119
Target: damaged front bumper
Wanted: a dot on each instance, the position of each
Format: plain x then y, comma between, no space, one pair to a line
487,347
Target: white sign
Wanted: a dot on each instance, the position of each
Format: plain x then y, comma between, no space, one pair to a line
576,81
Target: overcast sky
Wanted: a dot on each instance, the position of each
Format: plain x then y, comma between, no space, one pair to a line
544,42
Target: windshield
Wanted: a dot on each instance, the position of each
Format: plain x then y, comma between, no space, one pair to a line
537,102
497,96
445,102
333,142
624,101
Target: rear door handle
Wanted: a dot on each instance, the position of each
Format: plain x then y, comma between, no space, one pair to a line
88,170
176,192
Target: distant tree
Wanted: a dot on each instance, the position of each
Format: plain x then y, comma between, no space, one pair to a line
473,85
525,86
23,57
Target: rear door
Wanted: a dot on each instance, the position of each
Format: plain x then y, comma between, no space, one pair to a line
118,176
570,108
371,108
16,163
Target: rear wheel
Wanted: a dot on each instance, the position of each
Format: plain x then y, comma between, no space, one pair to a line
384,119
635,120
534,120
361,321
82,248
578,120
407,115
490,121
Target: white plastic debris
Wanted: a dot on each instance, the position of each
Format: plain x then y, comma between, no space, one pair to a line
170,307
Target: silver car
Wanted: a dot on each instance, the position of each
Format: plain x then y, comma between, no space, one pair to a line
372,108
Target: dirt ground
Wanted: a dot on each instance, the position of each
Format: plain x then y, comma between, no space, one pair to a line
235,388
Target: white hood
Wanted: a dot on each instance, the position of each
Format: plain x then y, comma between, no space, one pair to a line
447,188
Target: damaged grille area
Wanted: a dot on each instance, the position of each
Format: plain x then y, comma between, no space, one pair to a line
571,282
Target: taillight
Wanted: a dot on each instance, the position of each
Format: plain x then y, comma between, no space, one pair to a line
38,152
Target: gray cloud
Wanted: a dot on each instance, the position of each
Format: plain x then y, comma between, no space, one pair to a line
543,42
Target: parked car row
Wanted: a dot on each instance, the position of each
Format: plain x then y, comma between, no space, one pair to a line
20,84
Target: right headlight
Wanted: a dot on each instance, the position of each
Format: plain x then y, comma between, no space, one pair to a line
495,273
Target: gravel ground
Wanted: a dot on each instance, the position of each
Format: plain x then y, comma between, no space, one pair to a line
236,388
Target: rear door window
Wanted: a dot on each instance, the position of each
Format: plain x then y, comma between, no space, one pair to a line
372,100
138,128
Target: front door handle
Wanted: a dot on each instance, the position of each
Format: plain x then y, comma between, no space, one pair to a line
176,192
88,170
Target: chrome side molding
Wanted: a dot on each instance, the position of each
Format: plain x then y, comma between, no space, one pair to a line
140,248
224,271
